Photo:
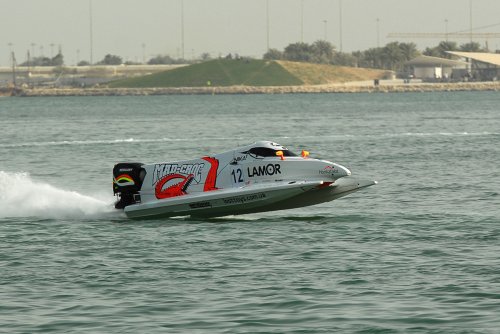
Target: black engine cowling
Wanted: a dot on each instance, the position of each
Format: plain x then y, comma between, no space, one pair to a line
127,182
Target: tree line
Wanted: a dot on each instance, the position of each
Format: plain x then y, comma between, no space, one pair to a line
392,56
57,60
108,59
389,57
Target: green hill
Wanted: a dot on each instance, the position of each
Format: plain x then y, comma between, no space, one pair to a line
250,72
219,72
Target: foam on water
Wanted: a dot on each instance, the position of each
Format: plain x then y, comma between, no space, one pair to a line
167,140
20,196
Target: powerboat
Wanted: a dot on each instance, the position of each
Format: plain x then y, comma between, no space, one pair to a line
260,177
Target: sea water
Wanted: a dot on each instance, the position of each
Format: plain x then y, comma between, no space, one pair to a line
418,253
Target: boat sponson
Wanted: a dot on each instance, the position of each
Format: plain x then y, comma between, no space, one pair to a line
222,202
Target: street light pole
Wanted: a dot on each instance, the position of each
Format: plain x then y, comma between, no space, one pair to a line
378,32
182,28
340,24
302,21
10,49
470,19
446,29
33,49
267,23
326,28
29,67
91,34
13,57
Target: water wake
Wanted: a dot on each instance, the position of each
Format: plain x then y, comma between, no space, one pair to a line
20,196
88,142
166,140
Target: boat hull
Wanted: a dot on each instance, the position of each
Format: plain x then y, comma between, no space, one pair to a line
264,176
247,200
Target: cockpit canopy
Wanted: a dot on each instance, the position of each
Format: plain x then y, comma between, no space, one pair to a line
269,152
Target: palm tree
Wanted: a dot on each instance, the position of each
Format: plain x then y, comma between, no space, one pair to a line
446,46
471,47
392,56
323,52
409,51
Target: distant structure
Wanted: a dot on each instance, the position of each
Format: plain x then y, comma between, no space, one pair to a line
468,66
482,66
436,69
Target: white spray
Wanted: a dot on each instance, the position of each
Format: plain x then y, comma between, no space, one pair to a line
20,196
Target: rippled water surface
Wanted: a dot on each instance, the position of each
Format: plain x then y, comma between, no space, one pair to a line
418,253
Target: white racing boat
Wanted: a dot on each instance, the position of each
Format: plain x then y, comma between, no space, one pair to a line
264,176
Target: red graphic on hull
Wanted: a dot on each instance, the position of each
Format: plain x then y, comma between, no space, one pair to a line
325,185
174,185
176,189
212,174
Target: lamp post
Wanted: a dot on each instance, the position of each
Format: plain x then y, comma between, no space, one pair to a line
302,21
267,24
378,32
470,19
10,50
326,28
13,58
28,56
340,25
446,29
91,34
182,28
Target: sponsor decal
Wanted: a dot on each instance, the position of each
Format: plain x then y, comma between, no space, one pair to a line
267,170
170,180
238,159
124,180
200,205
328,170
162,170
244,199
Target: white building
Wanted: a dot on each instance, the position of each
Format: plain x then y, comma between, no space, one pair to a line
433,68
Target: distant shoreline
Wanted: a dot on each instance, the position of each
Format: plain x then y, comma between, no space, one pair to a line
333,88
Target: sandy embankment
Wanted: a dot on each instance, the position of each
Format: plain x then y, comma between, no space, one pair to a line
333,88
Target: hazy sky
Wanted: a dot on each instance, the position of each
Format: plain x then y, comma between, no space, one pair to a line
219,27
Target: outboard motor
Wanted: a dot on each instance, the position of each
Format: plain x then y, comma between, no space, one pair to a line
127,182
